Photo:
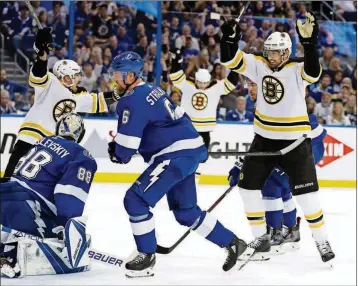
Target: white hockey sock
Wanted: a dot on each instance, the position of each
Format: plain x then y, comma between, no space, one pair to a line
314,215
255,211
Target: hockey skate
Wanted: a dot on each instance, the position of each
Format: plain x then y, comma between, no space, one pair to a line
325,250
234,250
141,266
257,247
292,236
276,241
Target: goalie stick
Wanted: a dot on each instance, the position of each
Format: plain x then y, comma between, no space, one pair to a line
94,254
167,250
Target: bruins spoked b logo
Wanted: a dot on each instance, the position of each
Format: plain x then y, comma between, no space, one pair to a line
199,101
272,89
62,107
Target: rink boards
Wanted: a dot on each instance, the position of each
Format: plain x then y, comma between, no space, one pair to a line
337,169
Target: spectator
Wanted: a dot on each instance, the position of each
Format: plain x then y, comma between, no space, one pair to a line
325,60
113,45
335,65
240,113
55,16
140,31
344,93
20,26
89,77
323,86
125,43
101,85
43,17
122,19
81,15
174,28
9,86
6,106
265,30
324,108
142,46
301,11
102,25
55,57
259,9
337,81
189,48
175,96
197,27
204,60
183,39
251,96
9,11
210,35
218,72
351,109
337,117
311,105
37,8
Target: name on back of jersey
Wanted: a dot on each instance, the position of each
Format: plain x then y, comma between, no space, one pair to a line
57,148
155,95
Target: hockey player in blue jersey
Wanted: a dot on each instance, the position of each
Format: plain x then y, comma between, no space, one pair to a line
277,197
150,123
45,198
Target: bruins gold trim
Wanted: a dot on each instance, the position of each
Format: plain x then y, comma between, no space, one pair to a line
282,129
36,80
242,68
250,214
31,133
281,119
315,215
257,222
175,76
102,103
317,225
37,126
308,78
235,61
94,103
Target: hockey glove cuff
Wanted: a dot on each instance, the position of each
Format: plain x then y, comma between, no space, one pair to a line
234,173
308,32
112,154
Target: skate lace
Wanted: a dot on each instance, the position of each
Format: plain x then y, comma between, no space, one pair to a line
255,243
323,247
139,258
285,232
229,250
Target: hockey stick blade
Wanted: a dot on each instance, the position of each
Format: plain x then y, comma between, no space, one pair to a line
167,250
247,261
255,154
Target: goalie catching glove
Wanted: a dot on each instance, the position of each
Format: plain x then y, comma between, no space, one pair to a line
308,32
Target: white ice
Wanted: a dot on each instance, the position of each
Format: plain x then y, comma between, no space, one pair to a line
197,261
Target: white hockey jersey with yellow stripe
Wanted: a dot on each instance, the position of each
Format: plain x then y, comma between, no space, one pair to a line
200,104
52,100
281,111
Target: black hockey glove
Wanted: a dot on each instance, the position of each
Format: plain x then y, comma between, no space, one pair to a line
176,56
43,41
231,32
112,154
308,32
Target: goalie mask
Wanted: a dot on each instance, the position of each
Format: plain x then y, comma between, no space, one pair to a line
278,42
202,78
71,127
68,72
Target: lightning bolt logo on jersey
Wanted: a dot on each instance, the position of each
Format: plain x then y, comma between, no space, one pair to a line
156,172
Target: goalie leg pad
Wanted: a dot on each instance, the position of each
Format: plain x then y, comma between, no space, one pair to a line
77,242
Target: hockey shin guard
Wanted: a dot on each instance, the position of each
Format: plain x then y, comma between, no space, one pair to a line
314,215
255,211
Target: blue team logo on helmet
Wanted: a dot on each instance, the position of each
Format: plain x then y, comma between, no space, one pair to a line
127,62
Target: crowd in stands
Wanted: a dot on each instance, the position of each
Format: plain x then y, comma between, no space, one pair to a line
104,29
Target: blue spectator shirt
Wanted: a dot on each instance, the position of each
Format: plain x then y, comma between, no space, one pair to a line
12,88
234,115
19,25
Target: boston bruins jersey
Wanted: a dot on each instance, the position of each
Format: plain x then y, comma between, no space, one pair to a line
52,100
281,111
200,104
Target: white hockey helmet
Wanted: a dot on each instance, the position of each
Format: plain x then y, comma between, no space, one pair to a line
202,78
66,67
71,126
278,41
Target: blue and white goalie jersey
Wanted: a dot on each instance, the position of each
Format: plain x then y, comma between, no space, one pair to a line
58,173
155,126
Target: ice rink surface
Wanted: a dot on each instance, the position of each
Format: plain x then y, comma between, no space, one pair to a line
197,261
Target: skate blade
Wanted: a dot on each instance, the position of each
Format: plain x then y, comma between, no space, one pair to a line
256,257
292,246
139,274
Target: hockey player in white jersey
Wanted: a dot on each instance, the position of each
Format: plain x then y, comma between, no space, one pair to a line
280,118
200,96
56,93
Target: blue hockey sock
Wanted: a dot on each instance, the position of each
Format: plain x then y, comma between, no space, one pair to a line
289,212
144,233
274,218
213,230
